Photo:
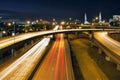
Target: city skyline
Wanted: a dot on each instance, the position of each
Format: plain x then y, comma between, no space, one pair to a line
61,9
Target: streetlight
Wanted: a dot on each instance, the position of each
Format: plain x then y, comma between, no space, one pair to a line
36,21
41,20
14,29
70,19
54,20
53,23
62,23
96,18
13,34
9,24
4,33
28,22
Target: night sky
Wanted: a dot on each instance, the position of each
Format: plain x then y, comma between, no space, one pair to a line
60,9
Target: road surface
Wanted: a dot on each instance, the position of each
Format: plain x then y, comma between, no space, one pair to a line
55,66
11,40
22,67
86,65
108,42
110,46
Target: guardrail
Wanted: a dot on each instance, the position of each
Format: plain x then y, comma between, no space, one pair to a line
109,46
12,40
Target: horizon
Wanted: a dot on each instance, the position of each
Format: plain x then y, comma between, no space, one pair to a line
7,14
60,9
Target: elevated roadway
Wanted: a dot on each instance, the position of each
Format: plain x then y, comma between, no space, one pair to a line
59,62
22,67
109,46
12,40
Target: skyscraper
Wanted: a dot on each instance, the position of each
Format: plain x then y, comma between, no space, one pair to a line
100,18
85,19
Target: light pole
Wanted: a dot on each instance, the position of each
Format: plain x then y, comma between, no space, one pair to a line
14,31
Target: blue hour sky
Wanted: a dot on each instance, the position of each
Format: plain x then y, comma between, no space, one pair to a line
61,8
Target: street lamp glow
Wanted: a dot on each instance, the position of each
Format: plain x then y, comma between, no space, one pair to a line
41,20
36,21
53,23
9,24
4,32
53,19
96,18
13,22
70,19
28,22
62,23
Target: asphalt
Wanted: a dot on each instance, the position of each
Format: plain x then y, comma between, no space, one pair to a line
87,66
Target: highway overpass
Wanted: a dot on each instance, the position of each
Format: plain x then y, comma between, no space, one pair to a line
105,43
12,40
58,60
109,46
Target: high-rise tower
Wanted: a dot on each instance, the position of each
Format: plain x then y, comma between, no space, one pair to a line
100,18
85,19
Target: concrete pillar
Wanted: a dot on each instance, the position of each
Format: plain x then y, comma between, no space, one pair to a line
1,55
99,51
77,34
25,44
32,42
107,58
91,34
54,36
66,35
118,67
12,52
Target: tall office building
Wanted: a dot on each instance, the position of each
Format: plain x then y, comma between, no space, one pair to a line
85,19
100,18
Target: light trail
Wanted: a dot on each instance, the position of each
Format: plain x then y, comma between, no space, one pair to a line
28,57
60,62
108,42
10,41
22,68
56,65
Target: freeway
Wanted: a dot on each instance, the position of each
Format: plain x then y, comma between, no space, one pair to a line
21,69
12,40
56,65
110,44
